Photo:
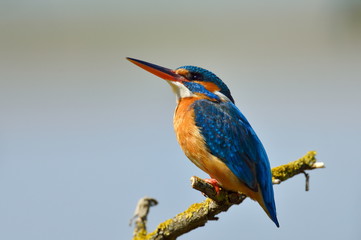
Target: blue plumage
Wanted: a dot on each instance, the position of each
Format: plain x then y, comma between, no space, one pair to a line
207,76
215,135
197,88
225,134
229,136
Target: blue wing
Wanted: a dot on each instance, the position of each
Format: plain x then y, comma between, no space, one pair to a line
230,137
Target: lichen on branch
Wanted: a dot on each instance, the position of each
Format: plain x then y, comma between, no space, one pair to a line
286,171
198,214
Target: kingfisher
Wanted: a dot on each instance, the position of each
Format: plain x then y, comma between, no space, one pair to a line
215,135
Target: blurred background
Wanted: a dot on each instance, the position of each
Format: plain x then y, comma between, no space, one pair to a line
84,133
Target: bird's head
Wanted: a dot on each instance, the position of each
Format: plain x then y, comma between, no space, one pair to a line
190,81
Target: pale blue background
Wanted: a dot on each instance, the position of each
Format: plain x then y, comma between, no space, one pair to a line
84,134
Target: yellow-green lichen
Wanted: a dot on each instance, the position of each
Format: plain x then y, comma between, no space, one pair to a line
194,208
140,234
288,170
162,228
198,210
165,227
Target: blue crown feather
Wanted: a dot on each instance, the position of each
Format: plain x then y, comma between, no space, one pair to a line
208,76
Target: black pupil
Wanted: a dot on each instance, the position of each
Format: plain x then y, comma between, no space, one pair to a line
196,76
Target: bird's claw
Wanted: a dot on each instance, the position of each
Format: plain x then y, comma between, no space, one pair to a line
214,183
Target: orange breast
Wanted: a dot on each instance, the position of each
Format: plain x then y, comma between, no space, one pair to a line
188,135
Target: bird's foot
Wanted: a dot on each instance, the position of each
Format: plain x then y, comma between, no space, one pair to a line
214,183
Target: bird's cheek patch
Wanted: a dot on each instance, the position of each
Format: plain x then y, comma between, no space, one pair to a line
209,86
182,71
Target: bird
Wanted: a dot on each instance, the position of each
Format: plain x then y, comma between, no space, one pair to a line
215,135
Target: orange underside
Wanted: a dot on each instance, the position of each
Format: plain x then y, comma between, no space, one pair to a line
193,145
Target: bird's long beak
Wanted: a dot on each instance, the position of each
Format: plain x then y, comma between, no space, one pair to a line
162,72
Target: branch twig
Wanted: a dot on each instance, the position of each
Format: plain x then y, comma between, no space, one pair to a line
199,214
140,216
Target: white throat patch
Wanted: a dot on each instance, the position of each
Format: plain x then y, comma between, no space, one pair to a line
180,90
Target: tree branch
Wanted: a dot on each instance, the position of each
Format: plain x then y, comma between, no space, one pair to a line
199,214
140,216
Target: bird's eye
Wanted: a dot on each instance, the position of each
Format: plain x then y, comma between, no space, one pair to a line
195,77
